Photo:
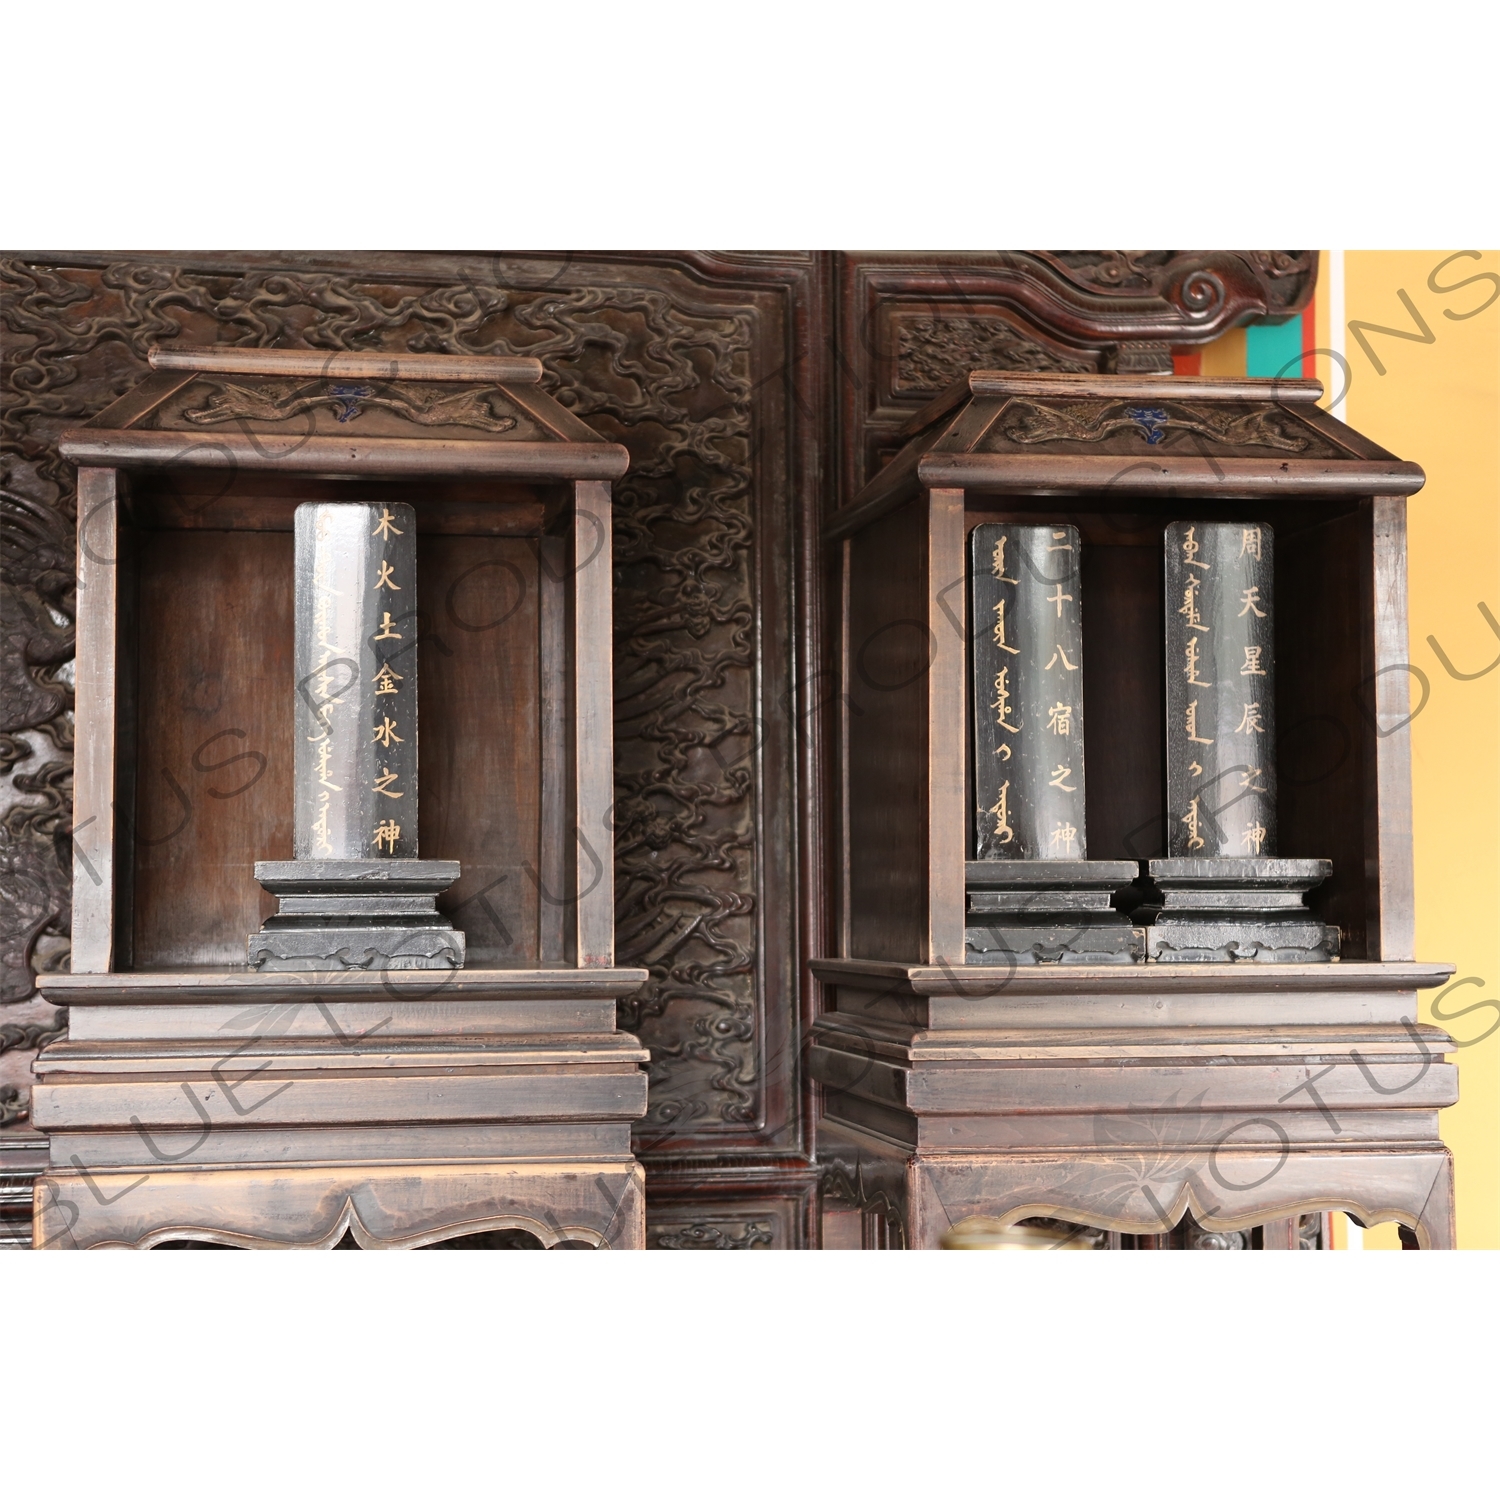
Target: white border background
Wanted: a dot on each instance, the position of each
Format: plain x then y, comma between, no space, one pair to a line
753,126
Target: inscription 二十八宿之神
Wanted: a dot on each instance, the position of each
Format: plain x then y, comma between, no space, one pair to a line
1027,657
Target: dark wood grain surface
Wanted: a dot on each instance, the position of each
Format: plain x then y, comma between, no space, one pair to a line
890,648
481,767
216,683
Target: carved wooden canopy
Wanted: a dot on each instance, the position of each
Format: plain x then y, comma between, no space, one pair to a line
345,414
1059,434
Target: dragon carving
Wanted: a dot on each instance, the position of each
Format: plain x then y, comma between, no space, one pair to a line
278,401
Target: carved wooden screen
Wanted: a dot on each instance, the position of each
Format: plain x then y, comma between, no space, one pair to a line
751,391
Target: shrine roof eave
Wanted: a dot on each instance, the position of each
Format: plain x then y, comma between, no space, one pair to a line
1112,476
373,458
1176,475
1118,477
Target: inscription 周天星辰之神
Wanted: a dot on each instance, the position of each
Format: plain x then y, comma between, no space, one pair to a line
1220,690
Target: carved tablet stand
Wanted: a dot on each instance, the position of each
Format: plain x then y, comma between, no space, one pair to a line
356,896
1223,895
1124,1095
385,1069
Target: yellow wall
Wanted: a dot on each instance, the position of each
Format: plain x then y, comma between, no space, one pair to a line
1438,403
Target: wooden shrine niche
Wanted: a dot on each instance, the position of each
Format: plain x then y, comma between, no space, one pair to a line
209,479
1194,589
471,491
